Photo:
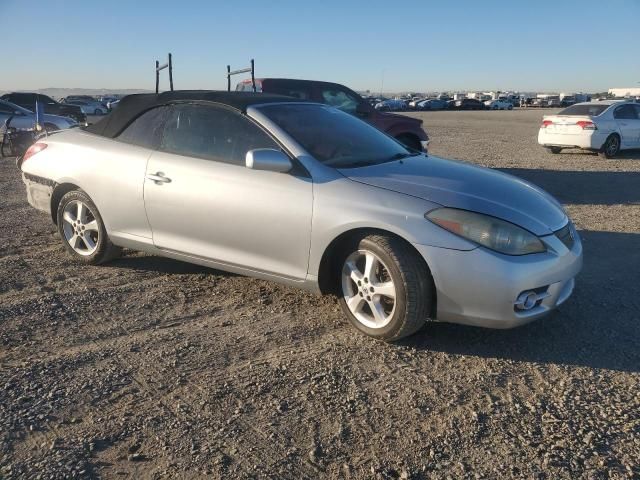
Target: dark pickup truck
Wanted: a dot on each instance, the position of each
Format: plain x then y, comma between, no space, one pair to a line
28,101
405,129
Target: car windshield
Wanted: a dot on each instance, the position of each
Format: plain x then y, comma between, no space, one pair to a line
335,138
585,109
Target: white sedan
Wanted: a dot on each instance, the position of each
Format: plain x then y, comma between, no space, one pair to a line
606,127
498,105
90,108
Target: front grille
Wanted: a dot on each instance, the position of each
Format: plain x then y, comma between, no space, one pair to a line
566,235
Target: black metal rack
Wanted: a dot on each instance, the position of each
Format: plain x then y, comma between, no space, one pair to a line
243,70
159,67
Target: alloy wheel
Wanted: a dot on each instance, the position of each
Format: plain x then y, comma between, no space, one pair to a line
80,228
368,289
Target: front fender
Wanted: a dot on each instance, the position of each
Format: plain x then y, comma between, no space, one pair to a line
343,205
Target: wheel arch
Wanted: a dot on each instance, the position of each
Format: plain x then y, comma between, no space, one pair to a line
60,191
615,133
328,271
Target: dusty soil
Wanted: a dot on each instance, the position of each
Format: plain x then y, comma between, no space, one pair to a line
151,368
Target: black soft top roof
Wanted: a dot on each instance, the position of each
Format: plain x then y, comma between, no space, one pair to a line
131,106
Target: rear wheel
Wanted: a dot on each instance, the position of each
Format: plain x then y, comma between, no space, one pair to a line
386,288
82,230
611,146
554,150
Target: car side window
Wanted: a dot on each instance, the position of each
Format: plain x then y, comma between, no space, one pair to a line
290,89
146,130
625,112
4,108
340,99
213,133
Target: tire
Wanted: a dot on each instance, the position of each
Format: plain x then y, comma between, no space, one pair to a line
554,150
611,146
396,267
97,111
510,108
410,141
92,246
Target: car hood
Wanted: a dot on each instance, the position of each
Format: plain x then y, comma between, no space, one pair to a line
404,118
461,185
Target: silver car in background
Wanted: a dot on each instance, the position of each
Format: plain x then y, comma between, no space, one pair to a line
307,195
24,119
90,107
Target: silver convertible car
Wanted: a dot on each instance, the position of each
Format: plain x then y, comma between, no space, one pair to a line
307,195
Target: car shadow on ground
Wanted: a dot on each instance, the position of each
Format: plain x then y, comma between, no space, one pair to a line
598,327
154,263
584,187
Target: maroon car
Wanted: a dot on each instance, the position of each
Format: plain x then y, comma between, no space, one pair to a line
407,130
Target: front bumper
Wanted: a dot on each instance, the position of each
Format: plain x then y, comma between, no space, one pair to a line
480,287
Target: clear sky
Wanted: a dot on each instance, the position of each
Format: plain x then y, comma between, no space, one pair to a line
559,45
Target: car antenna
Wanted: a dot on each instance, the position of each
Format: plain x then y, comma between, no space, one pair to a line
242,70
159,67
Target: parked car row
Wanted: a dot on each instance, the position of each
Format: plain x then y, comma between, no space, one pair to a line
442,102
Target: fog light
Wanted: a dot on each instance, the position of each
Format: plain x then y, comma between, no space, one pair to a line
526,300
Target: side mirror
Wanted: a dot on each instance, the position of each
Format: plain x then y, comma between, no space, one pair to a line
268,159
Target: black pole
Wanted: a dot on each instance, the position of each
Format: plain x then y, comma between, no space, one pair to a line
170,73
253,77
228,78
157,76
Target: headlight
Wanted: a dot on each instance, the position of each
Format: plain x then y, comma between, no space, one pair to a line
490,232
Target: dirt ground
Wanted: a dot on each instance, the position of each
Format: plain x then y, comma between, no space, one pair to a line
151,368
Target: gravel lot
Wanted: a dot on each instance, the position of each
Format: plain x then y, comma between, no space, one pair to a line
151,368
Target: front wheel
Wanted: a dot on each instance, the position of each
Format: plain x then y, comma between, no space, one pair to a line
97,111
387,291
554,150
611,147
82,230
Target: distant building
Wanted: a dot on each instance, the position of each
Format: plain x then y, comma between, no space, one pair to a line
625,92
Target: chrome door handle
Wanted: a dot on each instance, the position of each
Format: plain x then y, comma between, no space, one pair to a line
158,178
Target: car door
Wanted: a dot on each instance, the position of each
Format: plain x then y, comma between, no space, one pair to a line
202,200
628,123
